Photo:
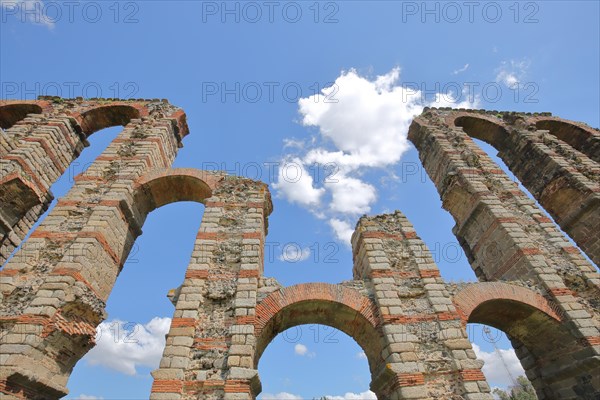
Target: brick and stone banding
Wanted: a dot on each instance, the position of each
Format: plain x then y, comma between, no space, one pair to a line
408,320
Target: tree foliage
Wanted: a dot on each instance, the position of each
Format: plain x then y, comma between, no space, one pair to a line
523,390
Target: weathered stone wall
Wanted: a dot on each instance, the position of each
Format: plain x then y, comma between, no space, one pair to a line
507,237
426,345
410,323
40,140
54,289
210,346
556,160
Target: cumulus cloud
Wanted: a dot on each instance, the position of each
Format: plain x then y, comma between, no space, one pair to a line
280,396
495,370
368,395
296,184
32,11
292,252
511,73
124,347
87,397
362,125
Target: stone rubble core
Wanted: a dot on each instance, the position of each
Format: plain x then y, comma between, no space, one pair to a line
534,285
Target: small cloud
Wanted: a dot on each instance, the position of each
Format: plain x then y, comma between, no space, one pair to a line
31,11
302,350
280,396
368,395
293,253
361,355
463,69
293,143
511,73
88,397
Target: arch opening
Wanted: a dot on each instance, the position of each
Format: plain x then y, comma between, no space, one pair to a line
483,129
130,342
314,361
106,116
335,306
573,135
549,353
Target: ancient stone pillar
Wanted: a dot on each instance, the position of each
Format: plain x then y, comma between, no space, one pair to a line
427,351
54,289
41,140
210,346
556,160
507,237
37,147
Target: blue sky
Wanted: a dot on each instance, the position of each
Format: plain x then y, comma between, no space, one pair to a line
270,88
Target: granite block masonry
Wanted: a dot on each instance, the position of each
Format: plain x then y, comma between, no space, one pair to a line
534,284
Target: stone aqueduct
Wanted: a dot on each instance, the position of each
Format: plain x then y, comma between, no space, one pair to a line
535,285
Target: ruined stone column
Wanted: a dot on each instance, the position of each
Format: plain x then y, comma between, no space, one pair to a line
427,349
35,151
556,160
42,139
55,288
210,346
507,237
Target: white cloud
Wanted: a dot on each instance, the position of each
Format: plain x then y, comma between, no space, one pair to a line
368,395
342,230
124,347
511,73
362,125
351,196
280,396
32,11
293,143
300,349
451,100
295,183
88,397
463,69
495,370
361,355
369,121
292,252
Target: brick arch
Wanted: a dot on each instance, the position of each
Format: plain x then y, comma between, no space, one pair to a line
536,327
158,188
13,112
482,127
579,136
470,298
100,116
337,306
105,116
